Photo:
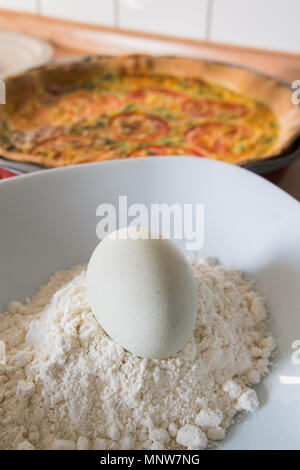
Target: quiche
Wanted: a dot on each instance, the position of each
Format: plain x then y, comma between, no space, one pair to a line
101,108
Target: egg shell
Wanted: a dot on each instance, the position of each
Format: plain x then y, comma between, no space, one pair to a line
143,293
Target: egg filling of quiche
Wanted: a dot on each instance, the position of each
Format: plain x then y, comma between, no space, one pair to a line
119,116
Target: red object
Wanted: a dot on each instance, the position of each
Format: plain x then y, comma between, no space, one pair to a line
8,172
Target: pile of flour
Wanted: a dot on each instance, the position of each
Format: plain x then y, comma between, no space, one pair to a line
66,385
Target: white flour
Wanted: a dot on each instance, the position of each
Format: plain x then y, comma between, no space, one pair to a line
66,385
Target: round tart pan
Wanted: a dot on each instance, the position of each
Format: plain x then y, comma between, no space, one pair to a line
260,166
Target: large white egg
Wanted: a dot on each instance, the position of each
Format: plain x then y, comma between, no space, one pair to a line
143,293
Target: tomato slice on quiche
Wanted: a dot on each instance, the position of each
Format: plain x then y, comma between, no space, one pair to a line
215,109
155,96
222,140
78,149
137,127
67,110
83,106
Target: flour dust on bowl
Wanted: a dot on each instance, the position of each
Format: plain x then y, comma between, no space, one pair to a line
61,373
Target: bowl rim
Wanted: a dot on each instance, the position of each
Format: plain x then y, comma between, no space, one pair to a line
143,161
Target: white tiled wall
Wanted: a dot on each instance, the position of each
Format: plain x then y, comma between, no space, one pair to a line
24,5
272,24
88,11
174,17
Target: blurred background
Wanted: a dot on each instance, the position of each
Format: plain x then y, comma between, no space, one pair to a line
266,24
260,34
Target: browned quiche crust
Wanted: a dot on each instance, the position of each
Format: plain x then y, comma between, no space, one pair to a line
61,77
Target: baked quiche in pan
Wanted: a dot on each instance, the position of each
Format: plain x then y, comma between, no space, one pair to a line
101,108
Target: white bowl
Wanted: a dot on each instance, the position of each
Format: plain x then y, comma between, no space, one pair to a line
48,222
19,52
